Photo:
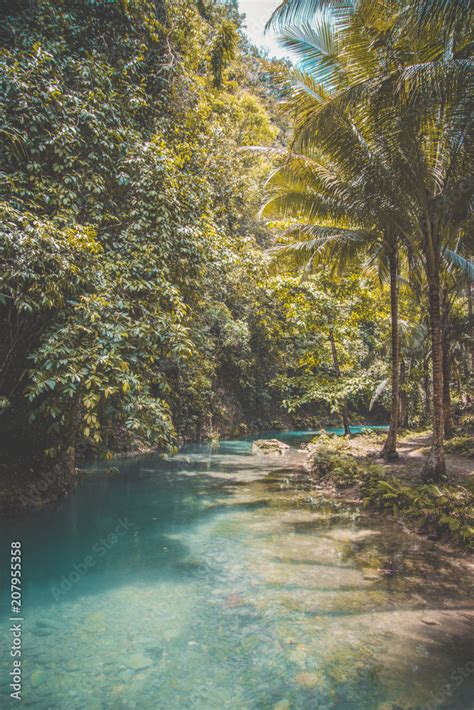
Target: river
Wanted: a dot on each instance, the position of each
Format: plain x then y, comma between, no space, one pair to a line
216,580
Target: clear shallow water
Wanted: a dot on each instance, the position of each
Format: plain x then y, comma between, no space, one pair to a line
228,585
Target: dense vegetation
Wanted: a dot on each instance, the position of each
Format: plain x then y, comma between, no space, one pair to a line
380,161
125,221
139,303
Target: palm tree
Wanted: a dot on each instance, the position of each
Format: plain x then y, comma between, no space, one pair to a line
437,16
353,185
305,185
375,85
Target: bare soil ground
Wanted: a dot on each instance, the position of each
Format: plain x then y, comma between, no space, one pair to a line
413,449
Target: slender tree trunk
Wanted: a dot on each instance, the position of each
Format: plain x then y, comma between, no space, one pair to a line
389,451
345,418
447,409
445,325
202,9
335,360
470,364
403,409
435,468
427,389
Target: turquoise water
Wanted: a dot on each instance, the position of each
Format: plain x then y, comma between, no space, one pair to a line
297,437
229,584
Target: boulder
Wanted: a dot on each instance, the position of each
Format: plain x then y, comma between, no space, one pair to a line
269,446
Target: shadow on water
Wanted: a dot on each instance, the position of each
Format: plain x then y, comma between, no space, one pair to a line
129,534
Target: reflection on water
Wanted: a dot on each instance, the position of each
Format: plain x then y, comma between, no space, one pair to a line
210,581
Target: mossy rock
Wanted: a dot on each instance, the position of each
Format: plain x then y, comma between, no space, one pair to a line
269,446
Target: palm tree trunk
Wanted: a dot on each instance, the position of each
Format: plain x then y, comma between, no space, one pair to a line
403,409
445,326
427,391
335,360
447,409
435,468
470,366
389,451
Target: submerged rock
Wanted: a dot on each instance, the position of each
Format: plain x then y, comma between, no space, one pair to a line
38,677
155,652
269,446
39,631
49,624
282,705
298,657
125,675
138,661
234,600
310,680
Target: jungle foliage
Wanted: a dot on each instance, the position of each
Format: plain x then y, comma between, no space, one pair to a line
139,304
135,305
127,220
379,163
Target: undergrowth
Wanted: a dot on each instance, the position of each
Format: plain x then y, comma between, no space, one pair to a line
461,445
444,511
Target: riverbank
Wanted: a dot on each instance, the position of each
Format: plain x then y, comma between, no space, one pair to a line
29,485
349,469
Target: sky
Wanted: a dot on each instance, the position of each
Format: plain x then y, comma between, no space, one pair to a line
258,13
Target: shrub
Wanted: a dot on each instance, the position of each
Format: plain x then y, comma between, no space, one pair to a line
446,511
331,459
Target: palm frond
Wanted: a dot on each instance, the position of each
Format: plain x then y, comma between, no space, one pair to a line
378,393
336,232
444,15
315,48
460,262
297,12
